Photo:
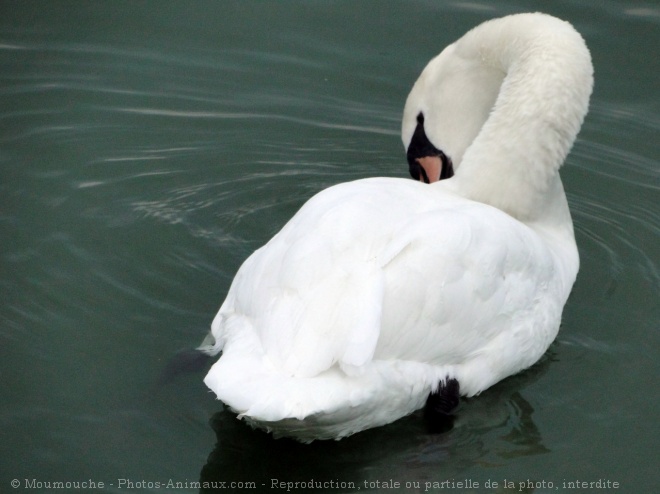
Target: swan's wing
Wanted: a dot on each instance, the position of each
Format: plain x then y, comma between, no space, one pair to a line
313,294
361,273
473,289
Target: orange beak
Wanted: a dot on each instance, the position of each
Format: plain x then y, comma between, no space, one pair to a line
432,165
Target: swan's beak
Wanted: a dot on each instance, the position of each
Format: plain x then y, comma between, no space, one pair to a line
426,162
432,166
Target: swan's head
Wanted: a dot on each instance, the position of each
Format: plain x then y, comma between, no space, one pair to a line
504,105
426,162
444,112
508,99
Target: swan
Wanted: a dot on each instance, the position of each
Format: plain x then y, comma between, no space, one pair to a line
383,295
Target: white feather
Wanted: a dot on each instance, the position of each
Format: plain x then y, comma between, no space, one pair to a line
378,290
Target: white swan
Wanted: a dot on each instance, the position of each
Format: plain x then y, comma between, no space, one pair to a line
381,292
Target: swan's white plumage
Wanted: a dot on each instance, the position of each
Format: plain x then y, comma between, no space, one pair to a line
379,289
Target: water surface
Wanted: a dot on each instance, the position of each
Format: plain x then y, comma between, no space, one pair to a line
147,148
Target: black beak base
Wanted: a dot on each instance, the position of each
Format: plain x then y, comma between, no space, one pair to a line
420,147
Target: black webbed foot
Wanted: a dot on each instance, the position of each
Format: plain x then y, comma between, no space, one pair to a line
439,406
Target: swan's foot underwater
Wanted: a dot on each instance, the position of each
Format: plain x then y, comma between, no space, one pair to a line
439,406
185,362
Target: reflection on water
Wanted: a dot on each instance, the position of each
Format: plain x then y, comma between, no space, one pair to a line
489,430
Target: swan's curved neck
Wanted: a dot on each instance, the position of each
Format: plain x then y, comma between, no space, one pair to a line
514,159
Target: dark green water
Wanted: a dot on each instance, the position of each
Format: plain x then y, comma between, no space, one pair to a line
146,148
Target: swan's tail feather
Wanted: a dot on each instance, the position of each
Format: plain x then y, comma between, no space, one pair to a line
330,405
209,345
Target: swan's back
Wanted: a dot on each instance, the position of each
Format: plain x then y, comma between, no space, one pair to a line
357,323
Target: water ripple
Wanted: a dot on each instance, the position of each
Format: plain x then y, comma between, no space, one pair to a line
255,116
